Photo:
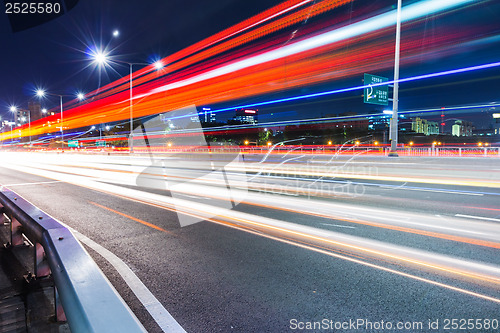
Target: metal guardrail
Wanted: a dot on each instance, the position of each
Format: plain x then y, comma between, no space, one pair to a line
90,302
449,151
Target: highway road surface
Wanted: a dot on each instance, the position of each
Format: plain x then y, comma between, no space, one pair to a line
278,243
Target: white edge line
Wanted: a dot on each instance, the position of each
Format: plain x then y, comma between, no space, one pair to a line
338,225
429,190
37,183
161,316
477,217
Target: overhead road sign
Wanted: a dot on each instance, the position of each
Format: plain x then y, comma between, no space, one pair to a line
376,94
73,144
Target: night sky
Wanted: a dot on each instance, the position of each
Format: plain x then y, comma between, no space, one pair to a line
53,56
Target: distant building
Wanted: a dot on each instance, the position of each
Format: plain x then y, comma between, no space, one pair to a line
379,123
36,110
246,116
483,132
355,124
462,128
424,126
496,124
206,115
21,116
5,124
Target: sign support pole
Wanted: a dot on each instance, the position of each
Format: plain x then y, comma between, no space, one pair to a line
394,121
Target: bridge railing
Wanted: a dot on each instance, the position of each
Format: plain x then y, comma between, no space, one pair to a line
84,297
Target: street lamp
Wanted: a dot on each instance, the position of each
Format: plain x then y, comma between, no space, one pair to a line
101,58
158,65
12,109
42,93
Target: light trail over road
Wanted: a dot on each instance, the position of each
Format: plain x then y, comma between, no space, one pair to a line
227,67
229,243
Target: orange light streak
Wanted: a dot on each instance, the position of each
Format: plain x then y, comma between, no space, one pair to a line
132,218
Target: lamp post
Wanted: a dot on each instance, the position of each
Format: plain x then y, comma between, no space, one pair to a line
394,120
41,93
13,109
158,65
29,124
101,58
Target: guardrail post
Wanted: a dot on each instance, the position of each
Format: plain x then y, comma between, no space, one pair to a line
42,267
3,218
60,315
16,232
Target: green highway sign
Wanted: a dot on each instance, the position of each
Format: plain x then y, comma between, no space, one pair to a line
100,143
73,143
378,94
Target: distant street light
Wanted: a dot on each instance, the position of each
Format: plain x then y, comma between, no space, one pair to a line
100,58
40,92
12,109
158,65
23,119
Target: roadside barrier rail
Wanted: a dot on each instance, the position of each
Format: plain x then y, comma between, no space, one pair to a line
83,295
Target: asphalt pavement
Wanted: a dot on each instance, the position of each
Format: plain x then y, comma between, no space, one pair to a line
259,267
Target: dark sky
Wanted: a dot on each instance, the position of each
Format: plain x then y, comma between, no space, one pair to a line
52,55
